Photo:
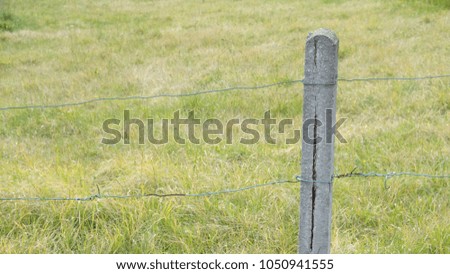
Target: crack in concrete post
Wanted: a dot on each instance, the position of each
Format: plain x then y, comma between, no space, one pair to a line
314,178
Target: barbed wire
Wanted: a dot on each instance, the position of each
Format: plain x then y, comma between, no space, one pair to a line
418,78
149,97
386,176
203,92
297,180
390,175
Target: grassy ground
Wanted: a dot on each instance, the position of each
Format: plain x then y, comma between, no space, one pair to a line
54,51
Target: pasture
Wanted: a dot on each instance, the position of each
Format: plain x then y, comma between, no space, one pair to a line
58,51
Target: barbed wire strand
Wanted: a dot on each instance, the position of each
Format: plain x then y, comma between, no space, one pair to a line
418,78
225,191
148,97
196,93
100,196
390,175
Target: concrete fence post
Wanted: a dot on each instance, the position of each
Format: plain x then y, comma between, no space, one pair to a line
319,116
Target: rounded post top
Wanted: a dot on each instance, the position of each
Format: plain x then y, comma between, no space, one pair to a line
331,35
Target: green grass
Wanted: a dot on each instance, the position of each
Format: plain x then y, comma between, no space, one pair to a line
8,21
427,4
61,51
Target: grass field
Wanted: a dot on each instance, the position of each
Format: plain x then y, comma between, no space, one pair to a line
57,51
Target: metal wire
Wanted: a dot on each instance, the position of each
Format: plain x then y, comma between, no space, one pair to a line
224,191
393,78
227,191
148,97
137,196
196,93
390,175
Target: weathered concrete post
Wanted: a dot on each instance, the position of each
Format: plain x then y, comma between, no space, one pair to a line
319,116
